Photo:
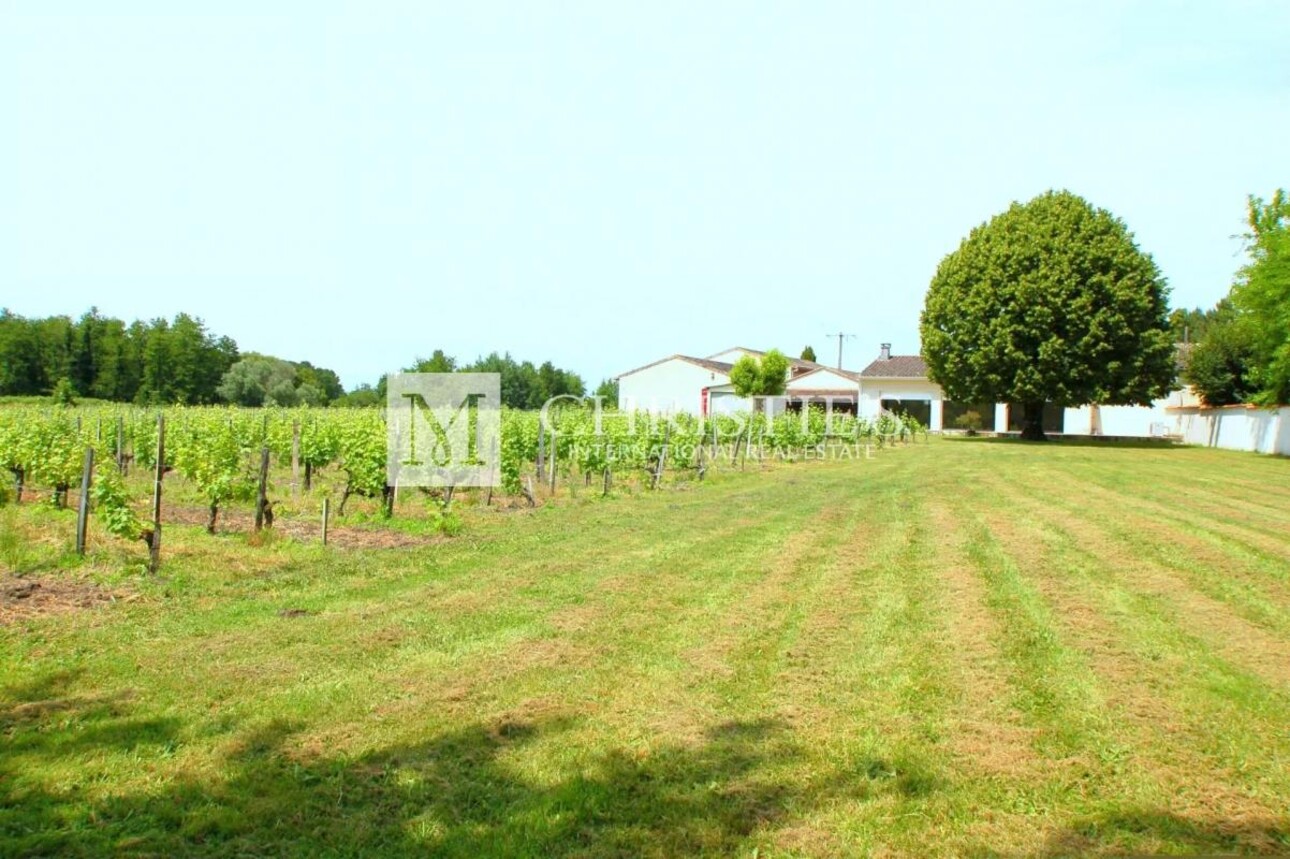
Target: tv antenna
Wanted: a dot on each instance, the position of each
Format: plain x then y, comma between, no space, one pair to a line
841,335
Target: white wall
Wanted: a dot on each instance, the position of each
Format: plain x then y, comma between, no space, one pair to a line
673,385
1144,421
874,391
724,401
823,380
1237,428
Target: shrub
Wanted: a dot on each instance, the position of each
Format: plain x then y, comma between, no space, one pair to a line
969,421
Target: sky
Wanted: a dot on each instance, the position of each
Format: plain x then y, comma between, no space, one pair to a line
604,184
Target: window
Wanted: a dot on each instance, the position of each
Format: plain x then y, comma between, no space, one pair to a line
919,410
952,411
1054,417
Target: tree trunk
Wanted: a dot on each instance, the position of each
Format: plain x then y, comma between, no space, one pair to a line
214,514
1032,427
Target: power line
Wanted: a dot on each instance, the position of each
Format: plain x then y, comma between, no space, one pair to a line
841,335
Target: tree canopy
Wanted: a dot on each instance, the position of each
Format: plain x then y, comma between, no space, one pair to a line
524,386
764,377
161,361
1218,367
1050,301
808,354
1262,296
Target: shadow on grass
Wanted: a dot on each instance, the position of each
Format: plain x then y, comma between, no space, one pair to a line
1121,832
461,793
464,792
1122,442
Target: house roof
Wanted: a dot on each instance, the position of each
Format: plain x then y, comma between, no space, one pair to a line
796,363
896,367
706,363
808,393
820,368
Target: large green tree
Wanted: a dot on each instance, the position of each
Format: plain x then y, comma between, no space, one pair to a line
1262,295
757,378
1051,301
260,380
1218,367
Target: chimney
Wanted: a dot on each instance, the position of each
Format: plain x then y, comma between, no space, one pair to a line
884,354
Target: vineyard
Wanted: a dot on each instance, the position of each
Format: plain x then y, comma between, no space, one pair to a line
220,459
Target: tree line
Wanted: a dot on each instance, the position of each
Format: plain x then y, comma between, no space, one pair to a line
1052,303
1239,350
524,384
180,361
161,361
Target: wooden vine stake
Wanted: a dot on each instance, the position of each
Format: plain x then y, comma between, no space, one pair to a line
295,458
154,542
541,454
261,496
555,458
326,515
662,456
83,511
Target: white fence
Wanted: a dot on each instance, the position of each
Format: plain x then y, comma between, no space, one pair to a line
1236,428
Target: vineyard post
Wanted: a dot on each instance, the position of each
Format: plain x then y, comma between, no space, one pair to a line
555,457
662,456
295,458
120,443
261,496
98,429
154,545
83,510
325,516
541,447
605,491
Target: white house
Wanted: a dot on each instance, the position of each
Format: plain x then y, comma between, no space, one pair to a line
698,386
890,383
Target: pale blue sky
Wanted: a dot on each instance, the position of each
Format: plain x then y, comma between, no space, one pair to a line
602,184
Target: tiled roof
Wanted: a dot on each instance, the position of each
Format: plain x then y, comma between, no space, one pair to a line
706,363
797,363
896,367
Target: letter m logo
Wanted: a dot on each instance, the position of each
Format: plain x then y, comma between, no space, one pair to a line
443,429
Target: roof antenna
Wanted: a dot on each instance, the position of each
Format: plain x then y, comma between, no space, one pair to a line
841,336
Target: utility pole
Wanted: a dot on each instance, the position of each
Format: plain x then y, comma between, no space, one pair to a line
841,336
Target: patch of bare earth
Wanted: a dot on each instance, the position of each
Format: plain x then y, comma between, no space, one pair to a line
240,521
1236,639
987,736
764,606
1135,690
834,612
27,597
1194,516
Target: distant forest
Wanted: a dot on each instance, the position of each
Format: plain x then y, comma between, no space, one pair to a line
180,361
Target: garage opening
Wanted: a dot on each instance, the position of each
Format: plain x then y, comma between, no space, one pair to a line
952,411
919,410
1054,417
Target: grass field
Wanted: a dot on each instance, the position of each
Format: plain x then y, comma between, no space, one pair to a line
961,648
